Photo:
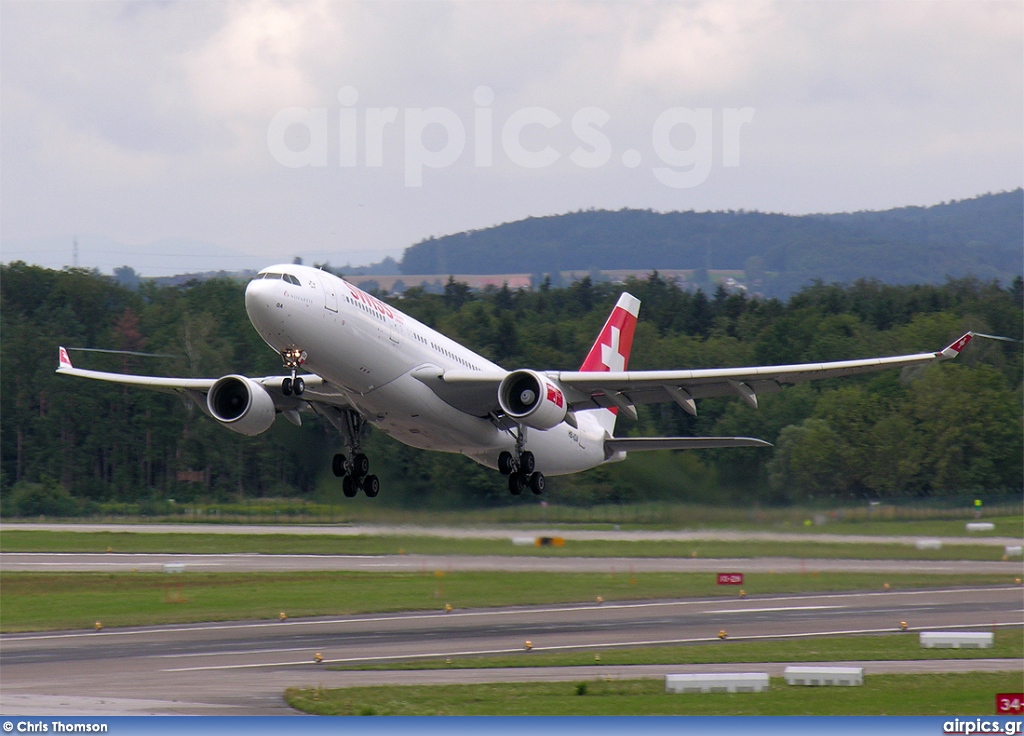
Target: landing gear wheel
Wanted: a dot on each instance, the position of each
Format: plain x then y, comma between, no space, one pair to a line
338,465
286,387
527,463
515,484
360,465
537,483
298,386
371,486
349,486
506,463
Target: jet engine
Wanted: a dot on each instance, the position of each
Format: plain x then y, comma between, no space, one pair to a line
532,399
242,405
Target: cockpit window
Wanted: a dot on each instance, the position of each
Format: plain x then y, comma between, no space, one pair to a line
282,276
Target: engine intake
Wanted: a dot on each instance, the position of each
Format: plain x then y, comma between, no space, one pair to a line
242,405
532,399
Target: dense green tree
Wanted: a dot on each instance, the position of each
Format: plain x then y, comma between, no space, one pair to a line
66,444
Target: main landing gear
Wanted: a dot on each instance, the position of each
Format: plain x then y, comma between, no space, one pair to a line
354,473
521,473
293,358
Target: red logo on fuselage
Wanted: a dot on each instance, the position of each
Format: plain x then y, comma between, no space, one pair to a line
555,396
370,301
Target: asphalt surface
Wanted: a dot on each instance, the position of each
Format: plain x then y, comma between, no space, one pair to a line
243,667
124,562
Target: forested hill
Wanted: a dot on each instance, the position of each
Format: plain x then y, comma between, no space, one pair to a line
983,237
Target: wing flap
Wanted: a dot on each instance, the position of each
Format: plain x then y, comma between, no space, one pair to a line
642,444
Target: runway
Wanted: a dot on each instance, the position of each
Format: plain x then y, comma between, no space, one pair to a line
244,667
115,562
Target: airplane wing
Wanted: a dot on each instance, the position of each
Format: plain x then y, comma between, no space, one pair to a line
628,388
476,393
317,391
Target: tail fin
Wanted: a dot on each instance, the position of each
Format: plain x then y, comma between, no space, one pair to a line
611,349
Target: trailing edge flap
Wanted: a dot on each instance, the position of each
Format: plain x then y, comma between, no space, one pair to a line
639,444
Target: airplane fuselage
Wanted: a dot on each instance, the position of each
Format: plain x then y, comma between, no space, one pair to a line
371,351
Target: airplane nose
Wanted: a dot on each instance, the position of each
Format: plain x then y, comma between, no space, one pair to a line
255,296
260,305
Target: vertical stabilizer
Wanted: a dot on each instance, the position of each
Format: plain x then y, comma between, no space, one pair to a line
610,351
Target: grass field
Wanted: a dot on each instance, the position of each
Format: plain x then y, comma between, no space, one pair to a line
321,544
945,694
42,601
946,517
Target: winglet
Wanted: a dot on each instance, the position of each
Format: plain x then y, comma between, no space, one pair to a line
954,349
65,361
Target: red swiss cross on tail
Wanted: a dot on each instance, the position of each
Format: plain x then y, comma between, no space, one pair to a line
610,351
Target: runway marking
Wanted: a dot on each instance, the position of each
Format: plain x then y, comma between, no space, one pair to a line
568,608
194,555
772,610
566,647
235,653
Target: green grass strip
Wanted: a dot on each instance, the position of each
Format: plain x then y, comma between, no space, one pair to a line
45,601
1007,644
941,694
314,544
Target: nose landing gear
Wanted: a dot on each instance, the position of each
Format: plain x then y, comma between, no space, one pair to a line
293,358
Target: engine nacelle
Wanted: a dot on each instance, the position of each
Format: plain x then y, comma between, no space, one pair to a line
241,404
532,399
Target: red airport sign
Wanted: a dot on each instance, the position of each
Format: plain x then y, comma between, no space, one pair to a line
730,578
1010,703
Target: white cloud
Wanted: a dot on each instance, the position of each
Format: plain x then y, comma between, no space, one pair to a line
143,120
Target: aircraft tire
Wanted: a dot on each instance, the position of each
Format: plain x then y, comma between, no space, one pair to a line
360,465
537,483
371,486
515,484
506,463
338,465
527,463
286,387
349,486
298,386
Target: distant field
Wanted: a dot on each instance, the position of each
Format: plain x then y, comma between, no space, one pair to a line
322,544
43,601
945,694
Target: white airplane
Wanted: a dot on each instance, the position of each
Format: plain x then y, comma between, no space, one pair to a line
369,363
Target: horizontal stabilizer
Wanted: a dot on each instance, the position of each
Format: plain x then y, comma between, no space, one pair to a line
639,444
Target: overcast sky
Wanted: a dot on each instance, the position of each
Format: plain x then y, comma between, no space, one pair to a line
175,136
